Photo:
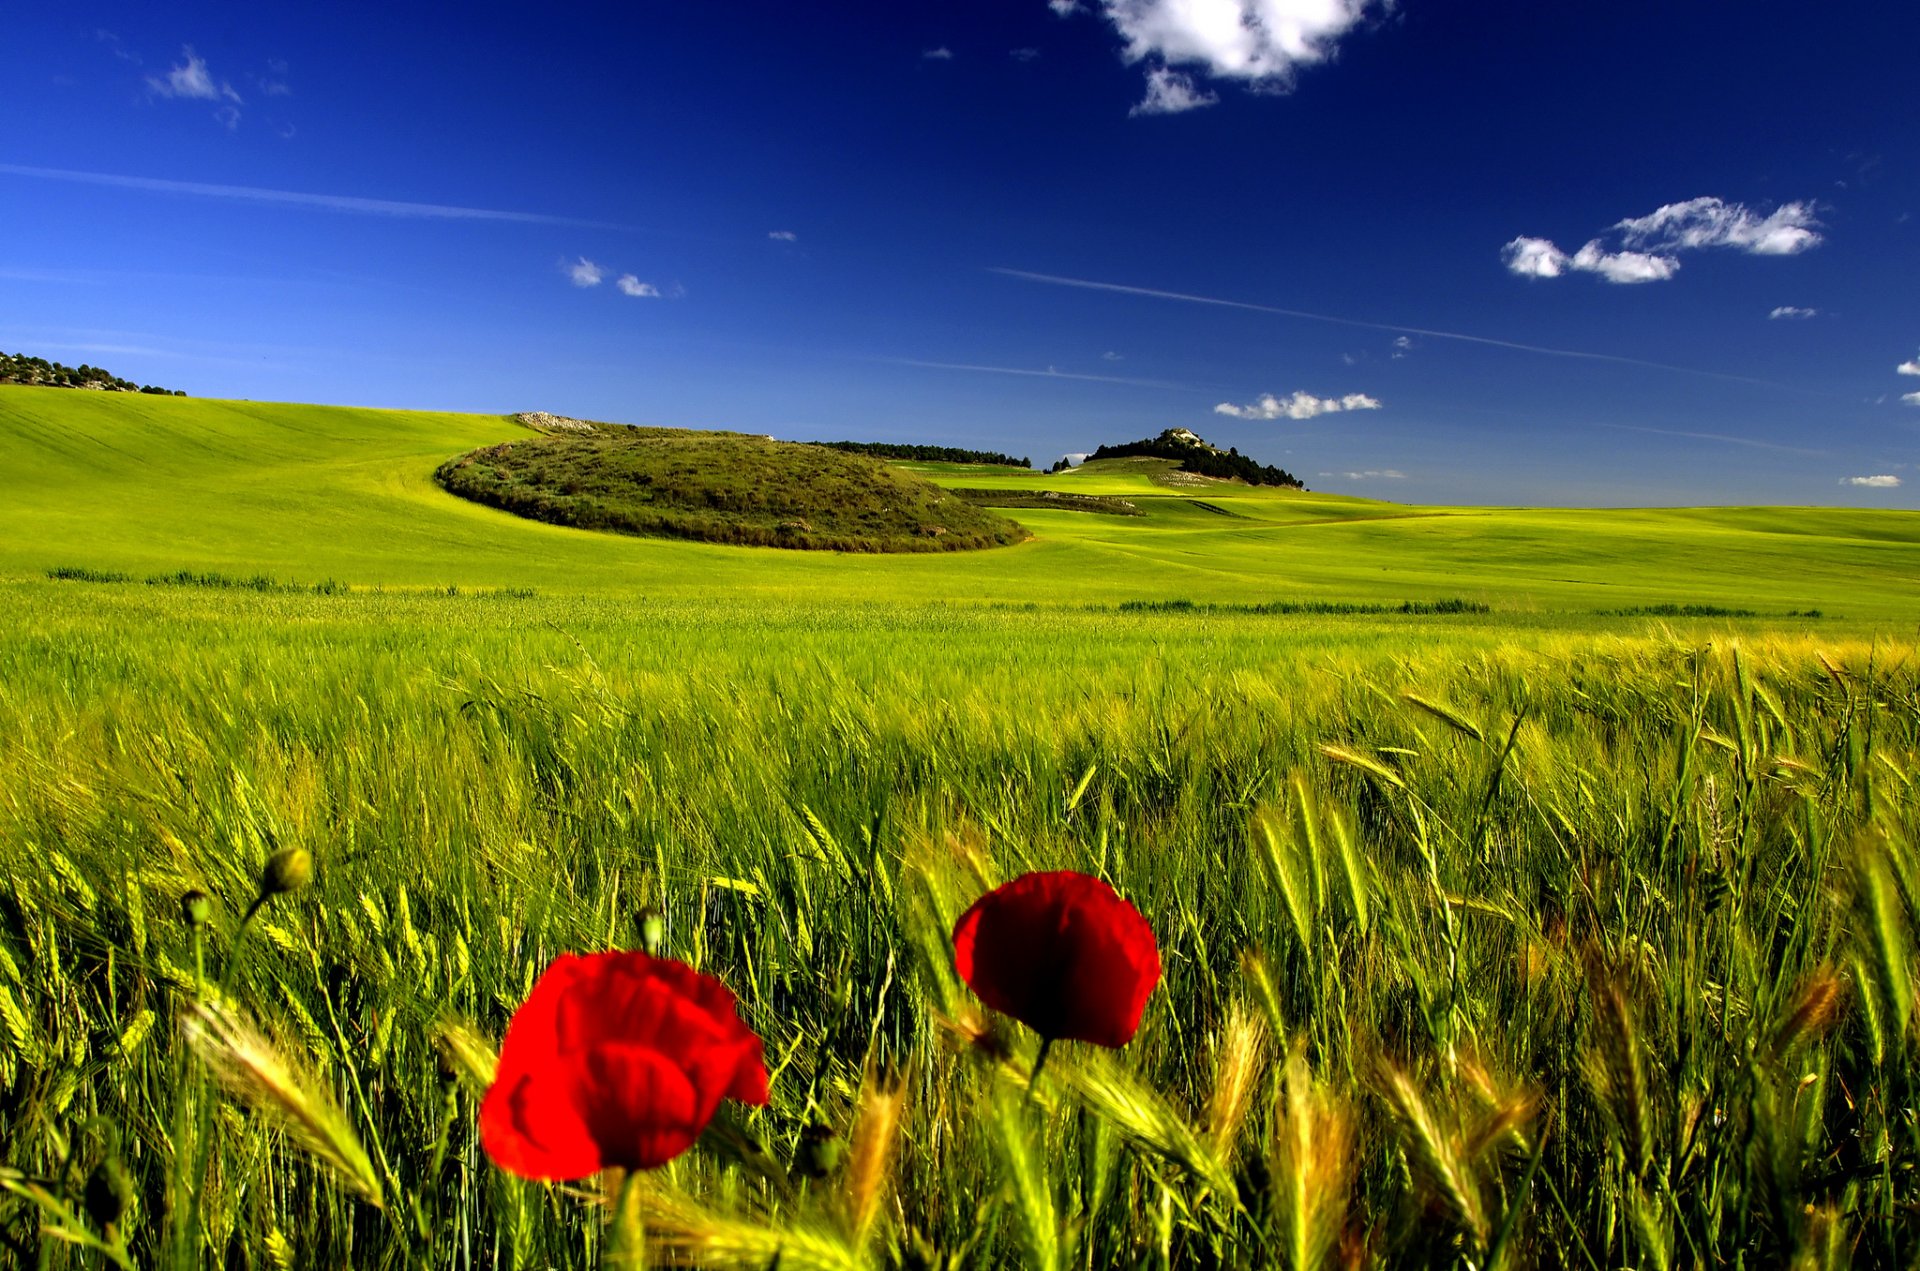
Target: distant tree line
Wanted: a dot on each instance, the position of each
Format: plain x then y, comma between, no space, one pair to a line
1198,457
925,454
18,368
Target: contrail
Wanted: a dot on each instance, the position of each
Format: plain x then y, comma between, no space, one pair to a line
1124,290
1047,374
1716,436
294,198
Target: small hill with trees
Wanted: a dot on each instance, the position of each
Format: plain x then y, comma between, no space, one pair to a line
19,368
721,487
1197,456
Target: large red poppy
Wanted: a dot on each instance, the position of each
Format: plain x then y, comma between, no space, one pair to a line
1062,953
616,1059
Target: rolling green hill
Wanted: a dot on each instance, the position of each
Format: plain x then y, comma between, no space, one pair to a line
145,485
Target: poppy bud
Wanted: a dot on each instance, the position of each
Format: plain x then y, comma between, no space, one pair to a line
109,1193
195,908
653,930
821,1151
287,870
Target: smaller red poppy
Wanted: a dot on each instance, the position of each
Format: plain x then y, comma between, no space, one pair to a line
616,1059
1061,952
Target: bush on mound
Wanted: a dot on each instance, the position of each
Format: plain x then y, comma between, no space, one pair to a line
719,487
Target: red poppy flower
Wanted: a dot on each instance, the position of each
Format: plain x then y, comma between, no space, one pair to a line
616,1059
1062,953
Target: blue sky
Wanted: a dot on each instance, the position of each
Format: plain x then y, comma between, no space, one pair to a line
1500,252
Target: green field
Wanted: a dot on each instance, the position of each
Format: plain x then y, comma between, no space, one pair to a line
152,485
1533,936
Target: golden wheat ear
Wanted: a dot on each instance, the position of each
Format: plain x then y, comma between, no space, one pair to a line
1436,1152
251,1068
1239,1056
1311,1162
1815,1010
876,1135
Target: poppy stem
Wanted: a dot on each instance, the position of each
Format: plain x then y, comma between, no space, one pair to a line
1039,1062
626,1238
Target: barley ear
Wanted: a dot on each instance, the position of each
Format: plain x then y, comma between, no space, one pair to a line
1237,1061
251,1068
1311,1164
1436,1153
876,1135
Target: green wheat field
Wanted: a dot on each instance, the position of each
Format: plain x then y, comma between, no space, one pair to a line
1534,887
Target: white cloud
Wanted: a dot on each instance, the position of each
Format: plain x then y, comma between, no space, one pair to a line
1794,311
1884,481
584,272
631,286
1064,8
941,54
1709,222
1259,40
1911,399
1539,258
783,236
1024,54
1370,474
1624,267
1646,243
1908,368
190,79
1111,356
1169,93
1534,258
1301,405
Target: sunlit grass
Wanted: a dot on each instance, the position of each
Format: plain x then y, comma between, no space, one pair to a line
1598,950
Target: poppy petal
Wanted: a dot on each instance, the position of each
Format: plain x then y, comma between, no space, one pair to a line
530,1126
643,1108
1063,953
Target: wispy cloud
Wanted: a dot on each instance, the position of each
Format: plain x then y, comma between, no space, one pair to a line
1882,481
116,45
1026,54
1188,298
1370,474
1911,399
1300,405
1708,222
941,54
291,198
1169,92
632,286
1048,373
190,79
783,236
1644,246
583,272
1795,311
1065,8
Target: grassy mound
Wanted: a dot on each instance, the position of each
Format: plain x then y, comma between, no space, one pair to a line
719,487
